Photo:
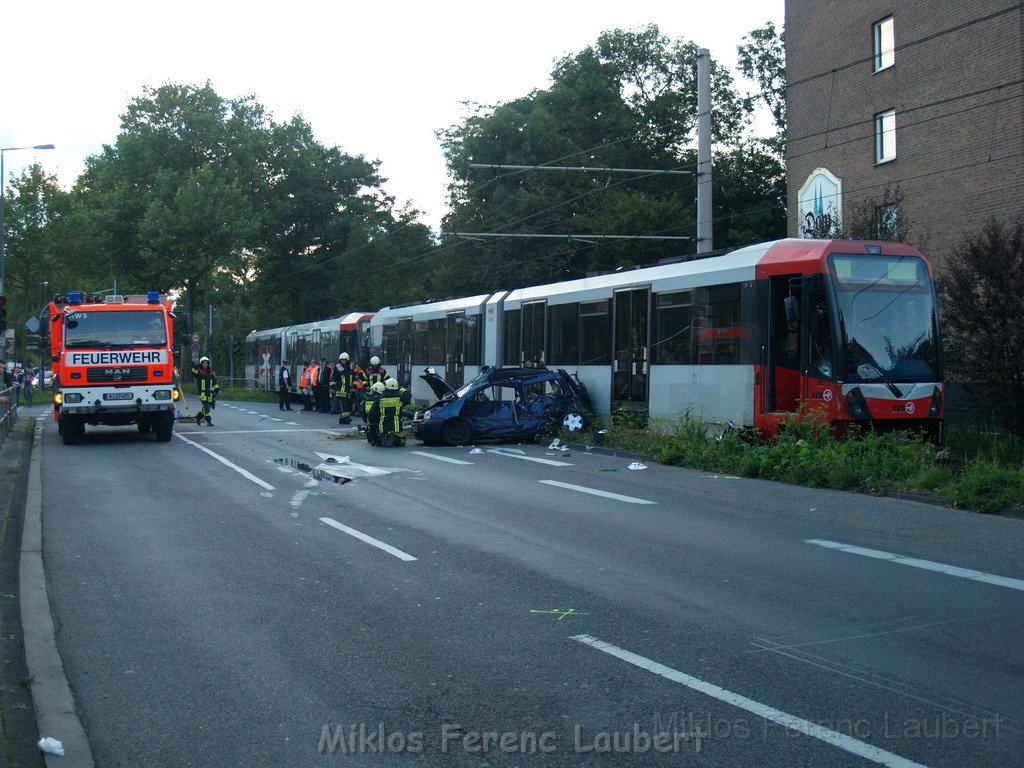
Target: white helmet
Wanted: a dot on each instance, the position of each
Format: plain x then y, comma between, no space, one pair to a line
204,359
391,384
343,356
378,387
374,360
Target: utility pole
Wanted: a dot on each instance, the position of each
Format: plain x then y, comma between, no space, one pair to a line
705,224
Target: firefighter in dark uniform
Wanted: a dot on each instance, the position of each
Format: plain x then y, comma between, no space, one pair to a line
386,413
344,382
372,432
206,382
374,372
323,387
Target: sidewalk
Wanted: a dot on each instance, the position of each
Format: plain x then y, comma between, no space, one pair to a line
17,715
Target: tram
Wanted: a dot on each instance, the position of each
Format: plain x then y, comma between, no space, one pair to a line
845,329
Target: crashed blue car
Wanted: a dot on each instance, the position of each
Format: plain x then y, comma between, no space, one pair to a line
503,403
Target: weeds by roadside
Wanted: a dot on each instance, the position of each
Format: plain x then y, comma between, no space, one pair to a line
972,471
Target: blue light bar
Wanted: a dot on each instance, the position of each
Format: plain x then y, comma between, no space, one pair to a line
153,297
75,297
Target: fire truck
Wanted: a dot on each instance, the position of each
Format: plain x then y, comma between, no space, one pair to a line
113,363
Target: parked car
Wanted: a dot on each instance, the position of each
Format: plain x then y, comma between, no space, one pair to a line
503,403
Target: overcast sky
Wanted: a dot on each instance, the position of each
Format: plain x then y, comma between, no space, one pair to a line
373,78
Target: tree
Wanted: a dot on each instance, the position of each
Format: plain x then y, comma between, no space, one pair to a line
628,101
763,60
982,291
879,218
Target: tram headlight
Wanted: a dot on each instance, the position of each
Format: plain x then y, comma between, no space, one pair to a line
936,408
856,405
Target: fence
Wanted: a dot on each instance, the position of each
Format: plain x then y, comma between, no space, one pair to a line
8,411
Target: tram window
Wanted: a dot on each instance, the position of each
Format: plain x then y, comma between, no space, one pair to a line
673,328
565,334
716,325
436,342
389,344
513,350
595,333
471,339
420,350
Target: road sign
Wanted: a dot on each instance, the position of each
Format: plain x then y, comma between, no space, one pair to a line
32,324
195,338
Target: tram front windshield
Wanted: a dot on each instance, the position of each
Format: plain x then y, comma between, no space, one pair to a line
887,317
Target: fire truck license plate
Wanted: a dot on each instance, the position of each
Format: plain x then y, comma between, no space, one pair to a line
117,395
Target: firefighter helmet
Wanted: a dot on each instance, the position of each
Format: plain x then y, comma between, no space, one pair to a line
378,387
391,384
204,359
343,356
374,360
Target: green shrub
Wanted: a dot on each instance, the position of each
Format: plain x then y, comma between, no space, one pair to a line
986,486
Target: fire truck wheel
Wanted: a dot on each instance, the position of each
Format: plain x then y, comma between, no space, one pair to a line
73,431
164,428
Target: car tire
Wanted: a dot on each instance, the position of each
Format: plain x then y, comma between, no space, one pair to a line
456,432
574,421
144,426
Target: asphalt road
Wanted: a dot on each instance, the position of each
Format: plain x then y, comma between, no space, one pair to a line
234,598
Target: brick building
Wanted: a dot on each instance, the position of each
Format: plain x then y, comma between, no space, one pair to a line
923,98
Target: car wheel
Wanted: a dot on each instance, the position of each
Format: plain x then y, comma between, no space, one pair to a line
574,421
143,426
74,430
456,432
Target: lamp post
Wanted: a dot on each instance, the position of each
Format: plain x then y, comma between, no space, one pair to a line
3,339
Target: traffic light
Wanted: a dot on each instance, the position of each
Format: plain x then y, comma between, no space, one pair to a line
3,315
236,346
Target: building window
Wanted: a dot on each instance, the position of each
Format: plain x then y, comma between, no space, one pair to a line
886,217
885,45
885,136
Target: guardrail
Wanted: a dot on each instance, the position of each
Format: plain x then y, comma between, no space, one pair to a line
8,411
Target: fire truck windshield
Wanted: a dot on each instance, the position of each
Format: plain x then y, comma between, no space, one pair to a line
888,318
115,329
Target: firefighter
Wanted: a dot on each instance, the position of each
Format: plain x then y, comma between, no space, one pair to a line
361,389
374,372
386,414
344,380
206,382
372,432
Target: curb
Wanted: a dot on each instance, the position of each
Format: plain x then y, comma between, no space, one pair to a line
51,694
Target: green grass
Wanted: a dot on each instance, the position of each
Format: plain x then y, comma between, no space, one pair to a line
974,471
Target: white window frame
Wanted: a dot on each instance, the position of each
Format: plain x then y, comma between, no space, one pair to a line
885,137
885,44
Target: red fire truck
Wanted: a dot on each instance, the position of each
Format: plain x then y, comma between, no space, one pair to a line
113,363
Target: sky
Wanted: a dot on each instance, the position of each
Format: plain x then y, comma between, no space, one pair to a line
372,78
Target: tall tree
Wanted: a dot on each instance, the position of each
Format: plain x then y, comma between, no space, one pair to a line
982,291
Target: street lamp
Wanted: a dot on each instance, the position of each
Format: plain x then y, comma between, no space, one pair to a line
3,340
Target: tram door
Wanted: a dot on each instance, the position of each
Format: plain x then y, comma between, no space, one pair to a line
454,360
533,334
404,355
631,343
782,367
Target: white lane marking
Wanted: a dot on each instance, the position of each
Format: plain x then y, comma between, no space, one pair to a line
595,492
441,458
298,498
368,539
854,746
216,431
549,462
927,565
244,473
